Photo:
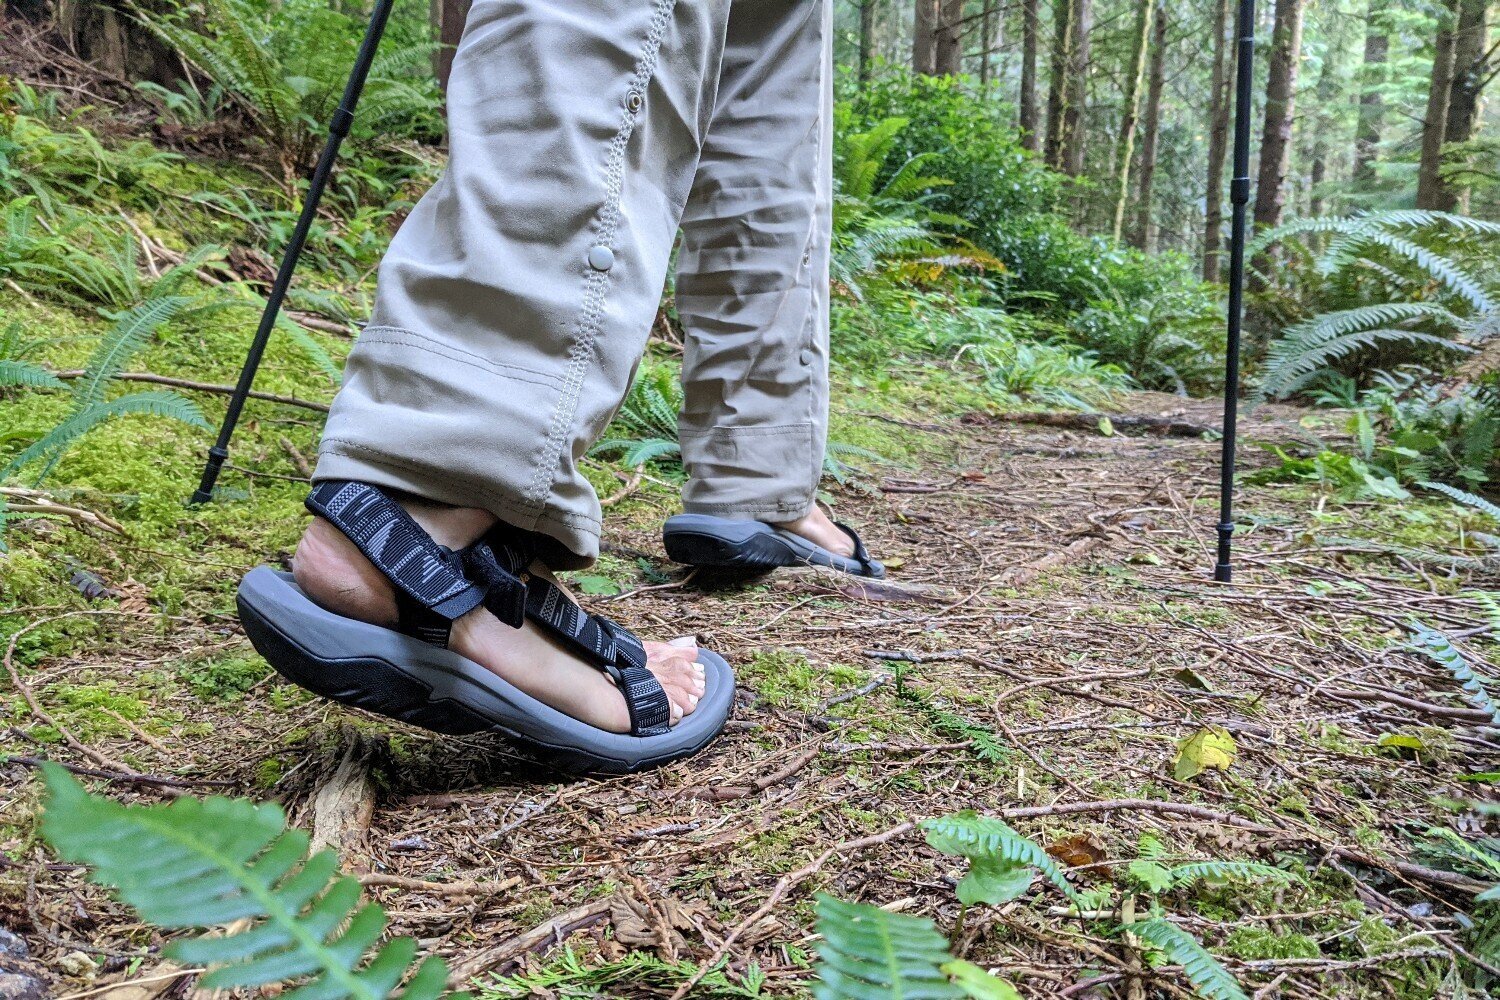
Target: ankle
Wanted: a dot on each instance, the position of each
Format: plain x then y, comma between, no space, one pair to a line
332,571
453,527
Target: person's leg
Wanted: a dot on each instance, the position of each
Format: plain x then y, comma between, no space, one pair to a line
752,284
514,304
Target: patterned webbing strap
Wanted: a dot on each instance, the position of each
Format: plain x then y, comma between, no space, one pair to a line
430,575
611,647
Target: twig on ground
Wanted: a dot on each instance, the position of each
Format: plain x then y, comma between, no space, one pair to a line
784,886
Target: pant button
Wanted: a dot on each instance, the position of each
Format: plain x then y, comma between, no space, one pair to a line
601,258
634,101
807,358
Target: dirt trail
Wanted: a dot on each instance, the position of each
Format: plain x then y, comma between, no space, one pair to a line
1051,634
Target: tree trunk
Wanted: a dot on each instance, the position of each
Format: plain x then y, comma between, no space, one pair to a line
1134,79
1322,125
1470,69
1028,111
1435,120
950,38
1057,86
1281,94
924,37
1371,103
866,41
1218,140
986,46
1145,233
447,19
1078,75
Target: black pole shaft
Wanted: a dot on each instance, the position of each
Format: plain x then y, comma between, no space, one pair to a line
338,128
1239,198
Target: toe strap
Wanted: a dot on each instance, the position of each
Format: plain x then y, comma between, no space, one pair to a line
604,644
861,554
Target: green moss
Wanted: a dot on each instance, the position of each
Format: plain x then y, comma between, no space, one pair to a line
1250,942
785,679
223,677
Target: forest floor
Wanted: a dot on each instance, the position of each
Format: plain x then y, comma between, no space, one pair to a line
1048,637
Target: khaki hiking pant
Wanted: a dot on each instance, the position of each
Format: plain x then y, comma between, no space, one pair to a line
515,302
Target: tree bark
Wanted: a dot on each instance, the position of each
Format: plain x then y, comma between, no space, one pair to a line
448,17
866,41
1281,95
1435,120
1322,124
1030,126
1470,70
1145,233
1134,80
1218,140
925,22
1057,86
1078,75
950,38
986,46
1371,103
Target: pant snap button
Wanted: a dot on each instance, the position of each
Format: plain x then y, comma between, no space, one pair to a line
601,258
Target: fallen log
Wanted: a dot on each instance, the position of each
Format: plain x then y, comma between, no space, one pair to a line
1164,426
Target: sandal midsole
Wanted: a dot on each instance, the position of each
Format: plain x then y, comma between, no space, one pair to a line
404,678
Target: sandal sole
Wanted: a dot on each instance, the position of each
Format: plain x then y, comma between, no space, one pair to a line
402,678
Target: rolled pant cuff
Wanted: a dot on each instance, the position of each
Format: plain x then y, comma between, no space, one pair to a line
760,473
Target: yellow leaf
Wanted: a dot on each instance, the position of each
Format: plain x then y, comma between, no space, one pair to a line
1210,749
1106,427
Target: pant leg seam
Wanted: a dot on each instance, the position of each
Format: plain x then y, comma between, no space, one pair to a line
596,282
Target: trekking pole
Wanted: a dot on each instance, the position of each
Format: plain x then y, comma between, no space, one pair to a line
1239,197
338,128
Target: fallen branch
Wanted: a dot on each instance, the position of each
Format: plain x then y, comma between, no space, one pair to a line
728,793
547,934
1165,426
192,386
344,802
861,588
38,502
478,890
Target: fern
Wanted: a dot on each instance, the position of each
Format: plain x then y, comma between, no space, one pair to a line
993,850
870,954
1467,499
26,375
198,864
1209,978
56,442
1437,647
982,742
1184,876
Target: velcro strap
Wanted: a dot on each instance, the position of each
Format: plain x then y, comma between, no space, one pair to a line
397,546
504,592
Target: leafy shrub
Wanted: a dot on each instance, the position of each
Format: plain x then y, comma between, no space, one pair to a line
993,181
284,66
883,222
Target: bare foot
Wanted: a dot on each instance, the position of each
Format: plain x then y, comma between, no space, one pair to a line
819,529
334,573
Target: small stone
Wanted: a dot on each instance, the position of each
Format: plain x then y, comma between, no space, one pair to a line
78,964
18,986
12,946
